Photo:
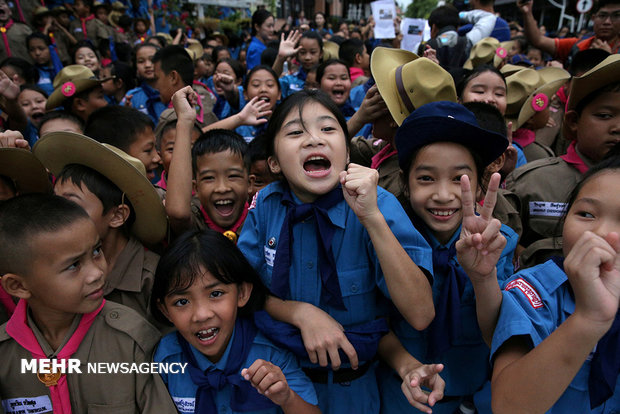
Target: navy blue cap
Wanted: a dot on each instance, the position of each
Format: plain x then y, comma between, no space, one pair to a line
446,122
520,59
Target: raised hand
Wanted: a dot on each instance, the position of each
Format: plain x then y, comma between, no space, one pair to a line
426,376
184,101
254,112
287,46
8,88
359,186
373,106
268,380
224,82
13,139
481,243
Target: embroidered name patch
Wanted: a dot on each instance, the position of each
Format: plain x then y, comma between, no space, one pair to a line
547,208
270,256
527,290
184,405
27,405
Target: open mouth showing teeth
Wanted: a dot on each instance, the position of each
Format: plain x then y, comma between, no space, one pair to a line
317,164
264,98
37,115
338,93
443,213
224,207
207,334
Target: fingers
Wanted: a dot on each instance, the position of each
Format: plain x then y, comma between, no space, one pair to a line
266,377
350,352
491,197
416,397
467,198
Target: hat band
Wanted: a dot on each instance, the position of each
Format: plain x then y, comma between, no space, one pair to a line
401,90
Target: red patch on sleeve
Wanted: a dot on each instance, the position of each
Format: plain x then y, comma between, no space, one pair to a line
527,289
253,203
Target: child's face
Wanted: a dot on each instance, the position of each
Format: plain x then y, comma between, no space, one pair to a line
38,51
140,27
223,54
81,9
205,313
33,104
222,185
265,30
310,53
64,19
535,56
598,127
223,68
435,188
310,157
336,83
144,63
200,69
488,88
102,14
263,85
109,86
595,209
96,100
69,278
143,148
365,64
85,56
83,197
167,145
164,84
260,176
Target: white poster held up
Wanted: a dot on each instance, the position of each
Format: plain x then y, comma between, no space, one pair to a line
412,30
384,12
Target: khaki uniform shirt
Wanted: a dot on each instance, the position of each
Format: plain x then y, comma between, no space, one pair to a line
17,42
95,30
507,210
553,137
543,187
131,279
27,7
118,334
63,45
536,151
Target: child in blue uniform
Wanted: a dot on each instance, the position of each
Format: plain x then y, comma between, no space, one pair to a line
145,98
327,240
206,288
555,347
438,145
309,54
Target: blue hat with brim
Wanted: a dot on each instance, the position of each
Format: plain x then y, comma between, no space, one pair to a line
446,122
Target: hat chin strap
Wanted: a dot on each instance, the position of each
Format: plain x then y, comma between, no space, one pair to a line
400,87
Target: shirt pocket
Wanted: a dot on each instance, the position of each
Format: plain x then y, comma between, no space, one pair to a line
119,408
358,294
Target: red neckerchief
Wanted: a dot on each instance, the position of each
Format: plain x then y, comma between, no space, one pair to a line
84,20
573,158
219,229
524,137
381,156
7,301
5,39
562,95
162,182
19,10
17,327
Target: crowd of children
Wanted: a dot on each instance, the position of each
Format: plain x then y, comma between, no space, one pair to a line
316,221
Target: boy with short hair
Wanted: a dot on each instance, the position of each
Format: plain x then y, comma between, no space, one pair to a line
60,121
78,90
135,136
216,167
353,52
62,314
86,26
112,187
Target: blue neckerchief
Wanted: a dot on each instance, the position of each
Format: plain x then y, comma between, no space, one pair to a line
280,284
113,49
152,96
347,109
244,397
56,63
301,74
364,337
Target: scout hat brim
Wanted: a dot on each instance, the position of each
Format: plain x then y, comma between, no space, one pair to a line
58,149
509,69
25,170
606,72
446,122
528,111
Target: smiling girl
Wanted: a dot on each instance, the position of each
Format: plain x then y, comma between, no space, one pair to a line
334,79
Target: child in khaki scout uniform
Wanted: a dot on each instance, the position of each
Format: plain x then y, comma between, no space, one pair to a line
86,26
592,122
13,35
112,187
529,94
62,314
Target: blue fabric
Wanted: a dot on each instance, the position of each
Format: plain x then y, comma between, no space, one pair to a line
357,95
222,108
520,155
183,390
554,301
46,79
253,54
55,59
359,274
296,213
146,100
289,84
244,395
501,31
249,132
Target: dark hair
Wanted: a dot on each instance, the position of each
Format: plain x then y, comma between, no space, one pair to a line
117,125
269,55
313,35
25,217
258,18
88,3
298,101
102,187
52,115
134,55
37,35
321,69
216,50
257,150
522,42
218,140
585,60
23,68
174,57
81,44
603,3
36,88
123,72
469,75
190,256
585,101
444,16
349,49
256,69
162,40
234,65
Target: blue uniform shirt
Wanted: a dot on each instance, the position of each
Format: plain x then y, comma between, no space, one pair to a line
222,108
183,390
289,84
466,368
144,95
253,54
46,77
547,304
358,267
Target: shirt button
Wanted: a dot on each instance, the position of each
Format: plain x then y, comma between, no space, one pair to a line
114,315
354,288
310,265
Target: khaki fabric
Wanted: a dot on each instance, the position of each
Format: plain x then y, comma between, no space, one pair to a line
17,42
536,151
118,334
27,6
95,30
507,210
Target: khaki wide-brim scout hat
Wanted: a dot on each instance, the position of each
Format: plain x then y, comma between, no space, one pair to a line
406,81
41,11
119,6
71,80
530,91
330,50
223,38
486,51
25,170
58,149
509,69
195,51
606,72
